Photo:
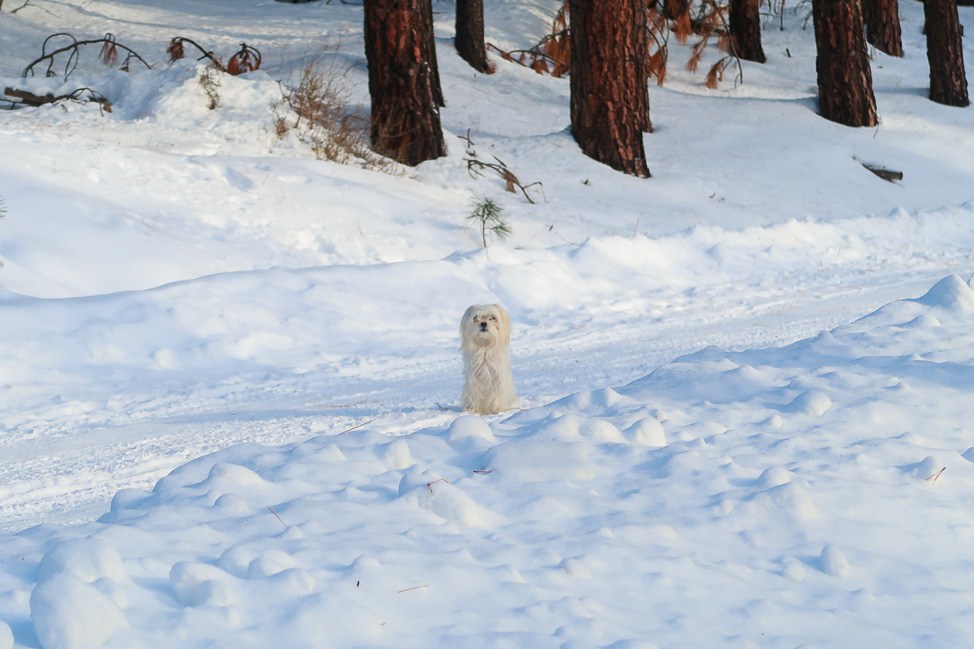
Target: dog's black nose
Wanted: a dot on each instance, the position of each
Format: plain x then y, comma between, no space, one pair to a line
483,326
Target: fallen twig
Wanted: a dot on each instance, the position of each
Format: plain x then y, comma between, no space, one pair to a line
474,167
277,517
932,479
429,485
357,426
30,99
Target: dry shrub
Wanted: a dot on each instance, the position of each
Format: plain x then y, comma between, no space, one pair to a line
209,78
320,115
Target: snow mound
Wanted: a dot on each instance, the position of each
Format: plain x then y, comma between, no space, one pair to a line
437,495
87,559
951,294
67,613
469,427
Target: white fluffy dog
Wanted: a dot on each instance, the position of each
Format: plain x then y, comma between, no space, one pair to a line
485,332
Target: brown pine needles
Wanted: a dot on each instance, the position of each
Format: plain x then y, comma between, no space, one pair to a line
552,54
246,59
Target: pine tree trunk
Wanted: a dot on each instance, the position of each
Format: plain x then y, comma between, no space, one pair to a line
609,93
845,83
405,124
883,25
745,30
429,50
470,34
945,53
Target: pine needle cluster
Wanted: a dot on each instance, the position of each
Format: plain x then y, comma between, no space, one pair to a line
488,216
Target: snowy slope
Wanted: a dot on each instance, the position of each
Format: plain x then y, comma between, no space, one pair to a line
229,371
808,495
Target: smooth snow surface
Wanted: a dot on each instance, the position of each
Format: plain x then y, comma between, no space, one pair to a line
229,371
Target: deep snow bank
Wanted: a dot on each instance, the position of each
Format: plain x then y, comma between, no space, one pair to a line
813,494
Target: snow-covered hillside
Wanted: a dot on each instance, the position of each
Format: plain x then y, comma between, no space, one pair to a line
229,371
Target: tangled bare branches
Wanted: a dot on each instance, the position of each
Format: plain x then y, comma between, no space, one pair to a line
13,11
476,167
246,59
108,54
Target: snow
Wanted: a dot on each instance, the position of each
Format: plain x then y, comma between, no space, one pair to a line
229,371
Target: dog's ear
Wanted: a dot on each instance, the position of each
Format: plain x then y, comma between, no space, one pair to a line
505,323
467,315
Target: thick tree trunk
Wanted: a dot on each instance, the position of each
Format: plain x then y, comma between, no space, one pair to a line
470,34
945,53
609,93
405,122
883,25
745,30
845,82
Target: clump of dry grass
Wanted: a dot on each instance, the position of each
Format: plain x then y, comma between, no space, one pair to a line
317,109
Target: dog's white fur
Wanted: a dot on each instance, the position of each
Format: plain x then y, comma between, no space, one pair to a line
485,334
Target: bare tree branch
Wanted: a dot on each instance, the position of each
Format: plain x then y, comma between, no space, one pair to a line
109,54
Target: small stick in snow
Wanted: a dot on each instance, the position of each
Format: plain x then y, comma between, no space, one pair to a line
406,590
932,479
277,517
429,485
357,426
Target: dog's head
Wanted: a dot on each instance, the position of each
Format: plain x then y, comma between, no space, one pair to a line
485,325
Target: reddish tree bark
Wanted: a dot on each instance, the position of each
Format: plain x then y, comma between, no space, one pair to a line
745,30
882,19
945,53
609,93
429,50
405,122
469,40
845,82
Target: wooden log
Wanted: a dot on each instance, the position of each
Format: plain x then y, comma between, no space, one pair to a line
29,98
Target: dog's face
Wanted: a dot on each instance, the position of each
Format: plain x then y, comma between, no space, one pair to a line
485,325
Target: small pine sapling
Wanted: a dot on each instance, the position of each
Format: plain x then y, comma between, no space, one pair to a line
487,214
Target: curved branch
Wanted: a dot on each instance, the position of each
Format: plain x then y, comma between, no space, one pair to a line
177,51
108,43
246,59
